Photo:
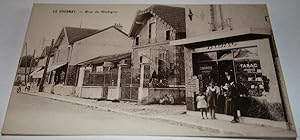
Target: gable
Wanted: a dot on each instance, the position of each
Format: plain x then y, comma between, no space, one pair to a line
171,16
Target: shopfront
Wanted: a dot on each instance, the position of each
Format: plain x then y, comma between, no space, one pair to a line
246,58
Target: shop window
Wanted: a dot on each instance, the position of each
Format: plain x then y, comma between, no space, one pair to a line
249,75
250,52
224,55
209,56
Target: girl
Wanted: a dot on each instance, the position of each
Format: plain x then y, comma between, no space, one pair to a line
212,92
201,104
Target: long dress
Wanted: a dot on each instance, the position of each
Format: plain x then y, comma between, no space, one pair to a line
211,97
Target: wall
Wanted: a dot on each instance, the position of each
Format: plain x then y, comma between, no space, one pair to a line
108,42
160,32
154,94
159,45
93,92
241,16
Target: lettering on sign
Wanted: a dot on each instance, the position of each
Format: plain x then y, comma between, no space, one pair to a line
253,65
224,45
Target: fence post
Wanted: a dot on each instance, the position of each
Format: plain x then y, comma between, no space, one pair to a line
119,80
143,91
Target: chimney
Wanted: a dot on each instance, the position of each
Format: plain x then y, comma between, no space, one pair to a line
119,26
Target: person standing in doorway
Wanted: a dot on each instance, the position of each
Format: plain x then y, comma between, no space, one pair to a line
211,92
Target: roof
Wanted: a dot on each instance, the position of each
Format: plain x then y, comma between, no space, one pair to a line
173,16
99,31
101,59
74,34
237,34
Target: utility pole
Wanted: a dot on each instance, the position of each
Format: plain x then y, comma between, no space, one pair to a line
25,63
32,59
41,87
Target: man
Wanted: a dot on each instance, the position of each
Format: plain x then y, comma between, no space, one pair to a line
233,94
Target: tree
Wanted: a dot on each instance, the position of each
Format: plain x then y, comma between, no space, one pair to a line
25,61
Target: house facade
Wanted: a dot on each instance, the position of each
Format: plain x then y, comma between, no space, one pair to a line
78,45
236,39
152,30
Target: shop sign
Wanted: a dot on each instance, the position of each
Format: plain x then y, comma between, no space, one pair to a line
221,46
251,65
229,45
206,68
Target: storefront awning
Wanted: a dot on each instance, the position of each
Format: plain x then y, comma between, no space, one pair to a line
53,67
38,74
236,34
36,71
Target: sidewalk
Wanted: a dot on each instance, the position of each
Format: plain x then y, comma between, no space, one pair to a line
175,114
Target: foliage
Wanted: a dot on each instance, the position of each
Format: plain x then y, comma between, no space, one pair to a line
26,60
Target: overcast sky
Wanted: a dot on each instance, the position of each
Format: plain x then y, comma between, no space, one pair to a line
47,20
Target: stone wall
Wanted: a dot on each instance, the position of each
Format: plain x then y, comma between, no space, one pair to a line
154,94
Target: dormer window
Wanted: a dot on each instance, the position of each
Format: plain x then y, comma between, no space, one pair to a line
168,35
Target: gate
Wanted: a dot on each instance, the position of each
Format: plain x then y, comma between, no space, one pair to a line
130,82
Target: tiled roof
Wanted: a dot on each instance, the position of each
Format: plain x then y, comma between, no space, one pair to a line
74,33
173,16
111,58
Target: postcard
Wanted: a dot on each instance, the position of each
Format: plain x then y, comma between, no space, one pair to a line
155,70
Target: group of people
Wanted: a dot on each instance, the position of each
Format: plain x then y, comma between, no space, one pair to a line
210,99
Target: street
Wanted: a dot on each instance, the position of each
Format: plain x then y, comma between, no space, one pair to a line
42,116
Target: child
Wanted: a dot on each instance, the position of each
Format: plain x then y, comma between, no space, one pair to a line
201,104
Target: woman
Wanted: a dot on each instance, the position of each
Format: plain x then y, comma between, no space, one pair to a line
212,92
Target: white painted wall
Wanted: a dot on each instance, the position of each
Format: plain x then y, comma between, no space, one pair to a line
108,42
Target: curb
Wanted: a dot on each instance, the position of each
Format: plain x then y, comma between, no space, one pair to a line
160,118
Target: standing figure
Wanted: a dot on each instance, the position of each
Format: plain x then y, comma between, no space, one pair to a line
202,104
233,95
212,92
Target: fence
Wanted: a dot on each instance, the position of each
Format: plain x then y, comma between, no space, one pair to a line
107,78
130,82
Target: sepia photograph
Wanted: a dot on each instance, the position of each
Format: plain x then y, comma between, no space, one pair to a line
208,70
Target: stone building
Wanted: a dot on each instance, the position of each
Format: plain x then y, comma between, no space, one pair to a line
152,30
236,39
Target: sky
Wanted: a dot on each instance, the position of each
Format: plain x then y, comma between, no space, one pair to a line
47,21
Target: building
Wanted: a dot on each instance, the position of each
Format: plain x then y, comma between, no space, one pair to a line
78,45
152,30
235,39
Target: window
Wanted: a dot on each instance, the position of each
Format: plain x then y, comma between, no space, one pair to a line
137,41
141,59
57,55
151,31
168,35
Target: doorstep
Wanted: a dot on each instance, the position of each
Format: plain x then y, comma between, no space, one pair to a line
247,120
